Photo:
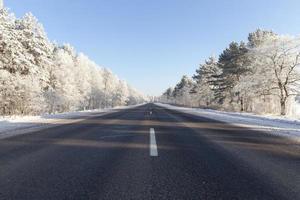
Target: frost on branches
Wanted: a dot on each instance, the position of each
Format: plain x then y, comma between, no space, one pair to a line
260,76
38,76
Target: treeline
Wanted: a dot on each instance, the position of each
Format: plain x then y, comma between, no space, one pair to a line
261,75
38,76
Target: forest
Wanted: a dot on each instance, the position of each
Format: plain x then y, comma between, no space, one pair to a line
261,75
38,76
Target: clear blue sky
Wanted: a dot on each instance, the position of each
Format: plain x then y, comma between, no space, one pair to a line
152,43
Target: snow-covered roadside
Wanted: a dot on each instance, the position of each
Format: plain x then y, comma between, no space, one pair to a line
270,124
16,125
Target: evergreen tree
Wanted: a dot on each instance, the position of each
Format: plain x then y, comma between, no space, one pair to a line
205,79
233,63
182,91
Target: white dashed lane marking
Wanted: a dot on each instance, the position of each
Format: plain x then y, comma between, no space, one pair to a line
153,146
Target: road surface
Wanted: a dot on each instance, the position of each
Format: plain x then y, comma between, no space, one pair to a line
149,152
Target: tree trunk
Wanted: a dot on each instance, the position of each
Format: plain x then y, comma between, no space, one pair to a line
242,104
282,107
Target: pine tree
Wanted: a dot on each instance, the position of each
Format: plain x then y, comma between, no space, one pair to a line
233,63
182,91
205,79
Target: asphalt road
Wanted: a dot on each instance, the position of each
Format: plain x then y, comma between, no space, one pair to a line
113,157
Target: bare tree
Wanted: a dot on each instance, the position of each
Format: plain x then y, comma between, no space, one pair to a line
277,63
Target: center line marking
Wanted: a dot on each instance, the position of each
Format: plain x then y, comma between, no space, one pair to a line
153,146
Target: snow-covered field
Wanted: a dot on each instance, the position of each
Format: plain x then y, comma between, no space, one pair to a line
269,124
16,125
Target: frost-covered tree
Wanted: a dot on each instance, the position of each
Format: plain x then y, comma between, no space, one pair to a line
167,96
233,63
14,56
182,91
205,78
135,97
276,64
86,70
250,86
120,96
38,76
16,64
258,37
96,96
35,41
108,84
64,87
260,76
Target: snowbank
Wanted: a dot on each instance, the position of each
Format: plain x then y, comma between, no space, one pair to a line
16,125
270,124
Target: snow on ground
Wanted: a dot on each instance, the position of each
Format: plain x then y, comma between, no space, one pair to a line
16,125
275,125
